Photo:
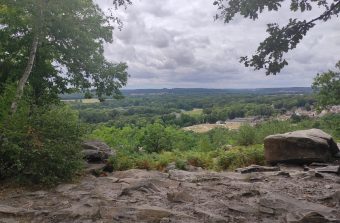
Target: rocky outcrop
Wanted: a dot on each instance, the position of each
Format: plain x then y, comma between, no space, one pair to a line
303,146
96,151
182,196
96,155
257,168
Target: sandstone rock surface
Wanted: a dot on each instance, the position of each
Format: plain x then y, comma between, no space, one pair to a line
180,196
305,146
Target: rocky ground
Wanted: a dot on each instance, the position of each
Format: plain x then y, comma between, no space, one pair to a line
284,194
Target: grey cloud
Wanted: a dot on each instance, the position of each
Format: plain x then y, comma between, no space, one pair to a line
157,9
175,43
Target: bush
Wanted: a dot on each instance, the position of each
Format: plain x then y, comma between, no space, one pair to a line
181,164
40,145
241,157
246,135
122,161
331,124
200,159
219,137
164,159
270,128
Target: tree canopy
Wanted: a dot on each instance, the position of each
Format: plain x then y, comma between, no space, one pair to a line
49,47
327,85
270,53
56,46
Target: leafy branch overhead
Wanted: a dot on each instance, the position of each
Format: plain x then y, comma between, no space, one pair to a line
270,53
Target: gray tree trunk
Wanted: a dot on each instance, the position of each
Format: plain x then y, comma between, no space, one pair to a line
26,74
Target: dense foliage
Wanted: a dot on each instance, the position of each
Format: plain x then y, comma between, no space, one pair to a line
155,146
186,109
327,86
57,46
39,145
47,48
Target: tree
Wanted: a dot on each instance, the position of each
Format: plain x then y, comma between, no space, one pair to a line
56,46
327,86
270,53
155,138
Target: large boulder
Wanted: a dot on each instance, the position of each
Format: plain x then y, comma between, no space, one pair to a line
97,152
300,147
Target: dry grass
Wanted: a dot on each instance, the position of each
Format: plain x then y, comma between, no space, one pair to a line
194,112
90,101
202,128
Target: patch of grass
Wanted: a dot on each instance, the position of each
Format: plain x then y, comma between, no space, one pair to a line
122,162
201,159
195,112
241,157
219,149
214,160
90,101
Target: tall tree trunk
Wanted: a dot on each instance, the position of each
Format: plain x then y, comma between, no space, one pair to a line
26,74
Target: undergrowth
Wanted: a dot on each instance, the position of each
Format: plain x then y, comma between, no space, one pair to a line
155,146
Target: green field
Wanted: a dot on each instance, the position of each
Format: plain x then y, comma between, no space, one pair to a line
194,112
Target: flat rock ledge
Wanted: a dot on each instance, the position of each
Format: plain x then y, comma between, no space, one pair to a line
286,194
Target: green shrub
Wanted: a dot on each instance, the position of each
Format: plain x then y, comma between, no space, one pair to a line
219,137
270,128
40,145
155,138
200,159
331,124
240,157
204,144
164,159
246,135
226,161
181,164
122,161
144,164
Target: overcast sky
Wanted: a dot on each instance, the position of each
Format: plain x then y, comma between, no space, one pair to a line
177,44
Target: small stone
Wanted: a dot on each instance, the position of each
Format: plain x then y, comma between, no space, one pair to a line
180,197
165,220
305,168
266,210
242,208
283,173
328,186
251,193
319,175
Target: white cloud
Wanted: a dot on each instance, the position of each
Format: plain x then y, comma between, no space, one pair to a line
174,43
